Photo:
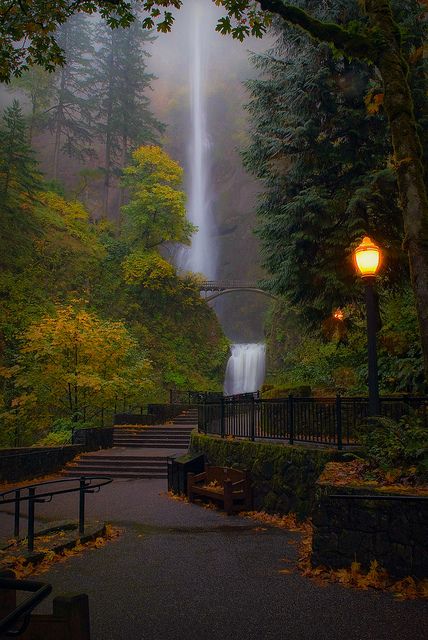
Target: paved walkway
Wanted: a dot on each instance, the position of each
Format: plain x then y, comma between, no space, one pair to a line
181,572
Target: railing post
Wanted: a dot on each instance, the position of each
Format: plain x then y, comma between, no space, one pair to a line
31,502
253,419
17,514
339,421
291,419
82,506
222,418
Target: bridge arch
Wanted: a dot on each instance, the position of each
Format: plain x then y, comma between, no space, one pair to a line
224,291
220,288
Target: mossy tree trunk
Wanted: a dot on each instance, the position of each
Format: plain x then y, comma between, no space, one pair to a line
381,45
399,108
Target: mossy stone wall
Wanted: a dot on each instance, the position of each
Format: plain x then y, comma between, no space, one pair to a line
391,531
283,476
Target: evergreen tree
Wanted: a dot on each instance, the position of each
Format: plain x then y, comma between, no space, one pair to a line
19,174
320,146
70,116
37,85
121,80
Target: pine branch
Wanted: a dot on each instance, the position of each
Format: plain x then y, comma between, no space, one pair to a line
355,45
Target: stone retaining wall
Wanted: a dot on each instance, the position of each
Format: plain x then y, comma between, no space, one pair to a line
17,465
391,531
283,477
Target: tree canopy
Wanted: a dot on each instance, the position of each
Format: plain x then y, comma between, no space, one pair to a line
375,39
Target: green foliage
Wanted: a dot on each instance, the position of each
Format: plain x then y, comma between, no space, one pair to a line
71,112
38,85
322,161
303,391
390,445
336,360
149,270
120,82
60,433
72,365
19,175
35,29
156,212
84,310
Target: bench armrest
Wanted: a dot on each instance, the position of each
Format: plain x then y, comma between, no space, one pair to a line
199,476
239,482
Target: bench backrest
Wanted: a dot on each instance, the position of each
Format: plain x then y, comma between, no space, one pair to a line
223,473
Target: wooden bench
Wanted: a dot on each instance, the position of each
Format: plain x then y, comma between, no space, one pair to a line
229,487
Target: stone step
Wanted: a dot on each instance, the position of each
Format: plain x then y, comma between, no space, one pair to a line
119,474
160,432
150,436
151,445
108,458
151,440
119,463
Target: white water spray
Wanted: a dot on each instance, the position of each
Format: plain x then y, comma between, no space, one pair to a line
200,257
245,370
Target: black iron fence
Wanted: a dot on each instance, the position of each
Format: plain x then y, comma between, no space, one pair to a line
329,421
177,396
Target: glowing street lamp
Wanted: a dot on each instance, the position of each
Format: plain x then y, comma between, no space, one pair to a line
367,259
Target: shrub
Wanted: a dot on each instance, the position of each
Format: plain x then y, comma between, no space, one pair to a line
301,391
390,445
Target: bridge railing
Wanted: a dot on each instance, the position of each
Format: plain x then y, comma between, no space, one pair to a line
221,285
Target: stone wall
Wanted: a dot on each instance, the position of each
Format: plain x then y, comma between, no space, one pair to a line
94,439
134,418
17,464
391,531
283,477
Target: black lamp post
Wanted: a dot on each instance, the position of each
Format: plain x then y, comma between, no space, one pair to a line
367,259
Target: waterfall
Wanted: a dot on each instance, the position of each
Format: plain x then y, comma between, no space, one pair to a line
200,257
246,367
245,370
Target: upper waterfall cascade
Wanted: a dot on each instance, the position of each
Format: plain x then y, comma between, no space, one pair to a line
200,257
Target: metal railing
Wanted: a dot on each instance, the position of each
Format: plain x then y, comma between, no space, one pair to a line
332,421
21,612
221,285
29,494
177,396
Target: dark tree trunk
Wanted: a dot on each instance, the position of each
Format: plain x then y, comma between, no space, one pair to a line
398,105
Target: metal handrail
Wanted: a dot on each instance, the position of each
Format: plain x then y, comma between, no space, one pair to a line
85,486
40,591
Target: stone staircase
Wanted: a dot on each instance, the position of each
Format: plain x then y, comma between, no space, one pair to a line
164,437
138,451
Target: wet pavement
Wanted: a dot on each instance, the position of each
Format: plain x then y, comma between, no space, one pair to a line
182,572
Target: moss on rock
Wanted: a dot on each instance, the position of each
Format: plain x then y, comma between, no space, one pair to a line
283,476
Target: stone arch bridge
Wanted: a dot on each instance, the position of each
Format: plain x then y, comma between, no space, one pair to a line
216,288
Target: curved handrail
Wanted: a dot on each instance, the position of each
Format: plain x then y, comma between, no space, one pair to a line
107,480
86,485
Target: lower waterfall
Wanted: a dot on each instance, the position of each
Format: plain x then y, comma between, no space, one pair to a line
245,369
